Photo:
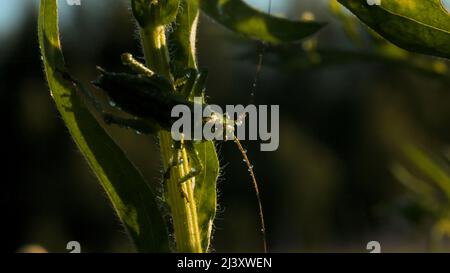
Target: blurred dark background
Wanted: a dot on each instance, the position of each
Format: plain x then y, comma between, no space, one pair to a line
364,142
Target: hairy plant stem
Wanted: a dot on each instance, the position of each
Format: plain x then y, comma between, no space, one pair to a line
180,196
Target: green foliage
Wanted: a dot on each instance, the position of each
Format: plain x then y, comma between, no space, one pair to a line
421,26
427,178
430,180
194,213
182,40
205,192
243,19
373,50
127,190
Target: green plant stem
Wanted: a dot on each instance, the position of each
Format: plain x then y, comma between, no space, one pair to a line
179,196
155,50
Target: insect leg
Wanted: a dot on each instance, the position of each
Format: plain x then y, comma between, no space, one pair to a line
198,89
173,162
196,164
138,125
185,83
80,87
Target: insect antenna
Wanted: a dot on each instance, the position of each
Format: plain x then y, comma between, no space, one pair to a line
135,65
262,50
256,188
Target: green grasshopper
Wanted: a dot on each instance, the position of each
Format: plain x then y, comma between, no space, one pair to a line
150,98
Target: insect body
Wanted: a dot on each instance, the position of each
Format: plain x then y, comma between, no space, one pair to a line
150,98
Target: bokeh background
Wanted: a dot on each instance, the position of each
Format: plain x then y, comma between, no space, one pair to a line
364,151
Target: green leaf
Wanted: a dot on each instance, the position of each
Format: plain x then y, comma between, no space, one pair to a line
421,26
430,167
205,193
292,58
182,39
241,18
127,190
350,23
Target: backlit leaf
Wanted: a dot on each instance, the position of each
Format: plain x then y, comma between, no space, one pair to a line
421,26
237,16
126,188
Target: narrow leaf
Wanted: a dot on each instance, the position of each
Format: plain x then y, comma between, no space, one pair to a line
241,18
127,190
182,39
205,192
421,26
